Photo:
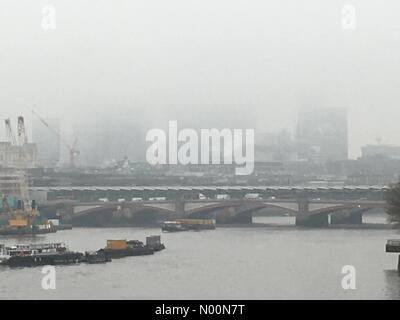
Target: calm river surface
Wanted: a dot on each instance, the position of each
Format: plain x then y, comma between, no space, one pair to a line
226,263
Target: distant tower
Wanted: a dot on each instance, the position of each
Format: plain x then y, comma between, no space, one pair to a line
378,139
48,143
9,133
22,136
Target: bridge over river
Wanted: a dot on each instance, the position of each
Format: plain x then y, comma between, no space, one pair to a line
113,193
312,213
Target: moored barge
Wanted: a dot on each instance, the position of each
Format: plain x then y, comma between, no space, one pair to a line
28,230
38,255
393,245
123,248
154,243
173,226
188,224
98,256
32,255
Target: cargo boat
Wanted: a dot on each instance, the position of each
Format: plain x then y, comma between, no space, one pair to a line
38,255
24,220
98,256
188,224
173,226
59,226
41,259
123,248
393,245
154,243
34,229
58,253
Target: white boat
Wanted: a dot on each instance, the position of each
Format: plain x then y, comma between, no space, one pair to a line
4,255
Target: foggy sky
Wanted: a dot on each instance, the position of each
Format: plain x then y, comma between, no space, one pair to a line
220,63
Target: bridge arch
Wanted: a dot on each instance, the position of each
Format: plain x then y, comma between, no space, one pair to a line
240,208
337,208
137,207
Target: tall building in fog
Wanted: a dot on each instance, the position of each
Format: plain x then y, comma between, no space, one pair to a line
47,141
110,139
385,150
274,147
322,134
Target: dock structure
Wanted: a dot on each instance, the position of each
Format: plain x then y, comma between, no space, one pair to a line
393,246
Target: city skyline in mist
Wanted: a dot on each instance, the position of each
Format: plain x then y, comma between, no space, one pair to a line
205,64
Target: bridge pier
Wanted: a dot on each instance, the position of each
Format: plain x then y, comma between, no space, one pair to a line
243,218
312,220
348,217
306,219
179,210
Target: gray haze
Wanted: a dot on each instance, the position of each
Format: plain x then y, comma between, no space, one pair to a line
204,63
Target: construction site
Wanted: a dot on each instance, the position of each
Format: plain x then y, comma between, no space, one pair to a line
17,155
18,212
16,151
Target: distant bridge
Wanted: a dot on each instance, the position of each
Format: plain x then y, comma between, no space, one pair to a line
307,212
94,193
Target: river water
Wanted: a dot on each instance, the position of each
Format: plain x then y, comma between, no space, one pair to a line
226,263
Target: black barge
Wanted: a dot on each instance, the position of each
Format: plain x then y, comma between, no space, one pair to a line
38,255
98,256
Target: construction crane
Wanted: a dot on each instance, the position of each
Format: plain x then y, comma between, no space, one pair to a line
25,206
73,152
25,212
6,205
22,135
9,133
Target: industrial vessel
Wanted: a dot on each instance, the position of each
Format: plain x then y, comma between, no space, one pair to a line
173,226
154,242
188,224
98,256
125,248
25,221
31,255
38,255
